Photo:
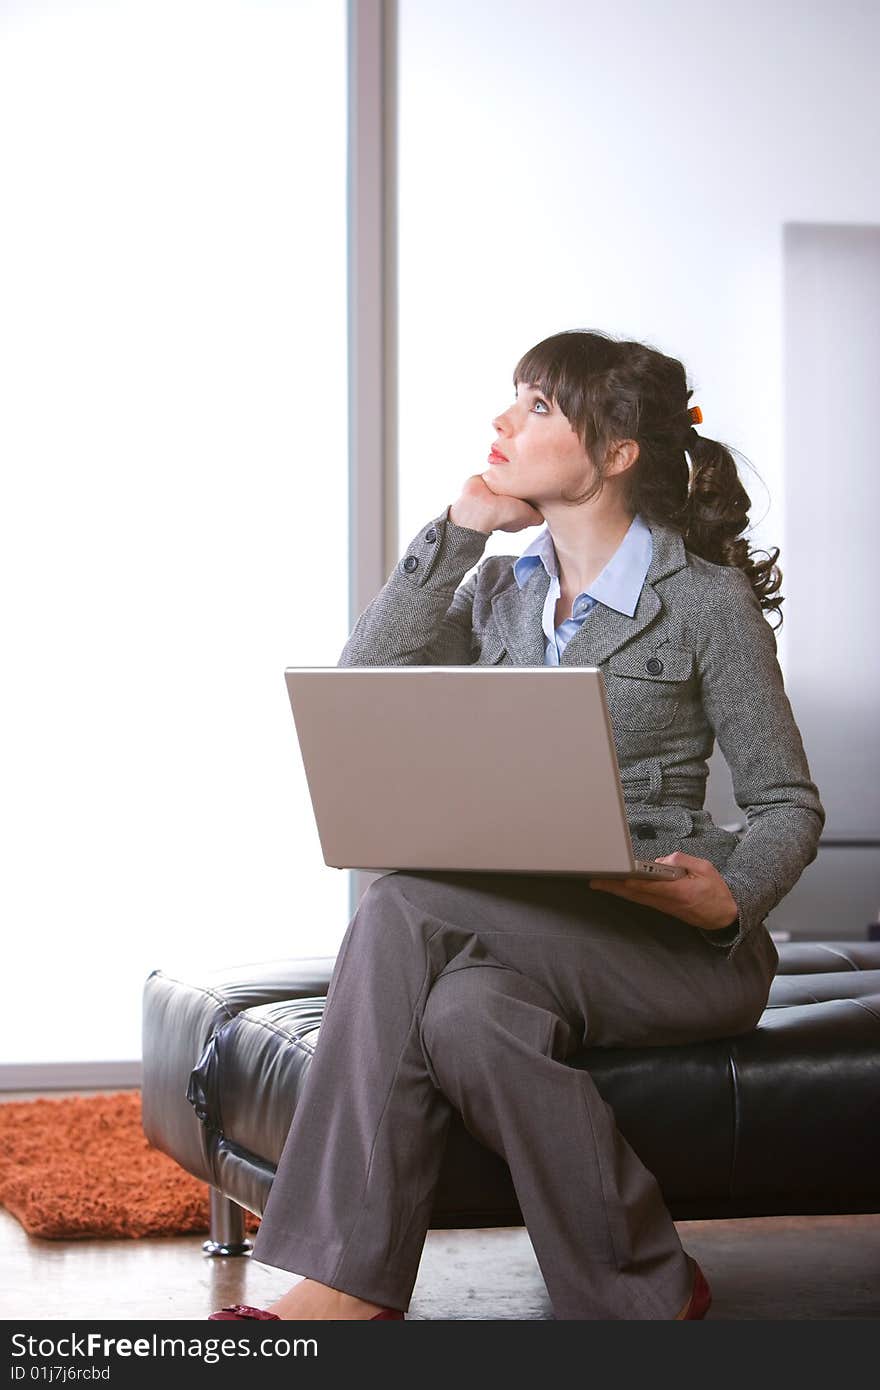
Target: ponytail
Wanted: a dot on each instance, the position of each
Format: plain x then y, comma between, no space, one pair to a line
715,515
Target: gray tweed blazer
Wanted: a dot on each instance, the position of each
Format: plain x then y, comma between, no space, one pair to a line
697,661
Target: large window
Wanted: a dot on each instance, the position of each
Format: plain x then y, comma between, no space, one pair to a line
174,523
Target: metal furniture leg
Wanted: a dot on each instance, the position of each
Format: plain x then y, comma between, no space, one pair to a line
227,1227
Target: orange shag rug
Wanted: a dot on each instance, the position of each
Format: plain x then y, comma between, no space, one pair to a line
81,1167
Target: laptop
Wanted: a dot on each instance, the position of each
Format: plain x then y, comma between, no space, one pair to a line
492,769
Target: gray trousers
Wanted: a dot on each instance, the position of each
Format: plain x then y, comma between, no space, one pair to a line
466,992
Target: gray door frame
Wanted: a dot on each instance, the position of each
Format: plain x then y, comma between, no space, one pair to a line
372,311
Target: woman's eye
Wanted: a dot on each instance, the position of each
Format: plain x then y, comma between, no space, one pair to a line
538,402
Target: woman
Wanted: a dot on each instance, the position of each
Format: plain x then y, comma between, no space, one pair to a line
465,991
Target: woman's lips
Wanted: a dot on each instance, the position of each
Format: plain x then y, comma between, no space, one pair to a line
495,457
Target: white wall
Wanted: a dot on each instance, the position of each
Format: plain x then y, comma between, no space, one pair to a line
625,167
174,448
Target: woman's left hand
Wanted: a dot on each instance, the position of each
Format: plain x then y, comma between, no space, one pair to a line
703,898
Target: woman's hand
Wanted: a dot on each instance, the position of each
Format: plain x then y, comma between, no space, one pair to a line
482,509
703,898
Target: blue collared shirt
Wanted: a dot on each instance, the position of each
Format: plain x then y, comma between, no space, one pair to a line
617,586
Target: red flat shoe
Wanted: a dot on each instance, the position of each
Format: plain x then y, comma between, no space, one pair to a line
701,1297
238,1312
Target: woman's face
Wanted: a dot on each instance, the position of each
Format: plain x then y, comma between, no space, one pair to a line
543,456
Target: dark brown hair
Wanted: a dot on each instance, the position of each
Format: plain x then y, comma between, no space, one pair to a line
611,390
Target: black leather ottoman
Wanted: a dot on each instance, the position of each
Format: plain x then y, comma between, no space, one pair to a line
782,1120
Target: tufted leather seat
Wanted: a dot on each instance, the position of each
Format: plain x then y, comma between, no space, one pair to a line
782,1120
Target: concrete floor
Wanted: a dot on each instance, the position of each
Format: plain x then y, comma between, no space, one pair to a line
776,1268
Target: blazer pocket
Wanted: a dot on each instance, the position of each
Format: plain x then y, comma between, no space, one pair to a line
656,830
645,687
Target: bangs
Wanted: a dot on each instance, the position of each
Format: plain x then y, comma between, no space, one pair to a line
567,368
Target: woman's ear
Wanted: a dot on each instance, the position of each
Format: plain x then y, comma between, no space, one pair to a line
623,457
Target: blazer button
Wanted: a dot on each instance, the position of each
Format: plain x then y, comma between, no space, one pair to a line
431,536
654,665
410,564
644,831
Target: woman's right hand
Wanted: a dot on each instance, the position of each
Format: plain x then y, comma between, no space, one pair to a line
481,509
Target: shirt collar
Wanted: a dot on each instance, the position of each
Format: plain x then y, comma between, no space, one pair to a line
619,584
